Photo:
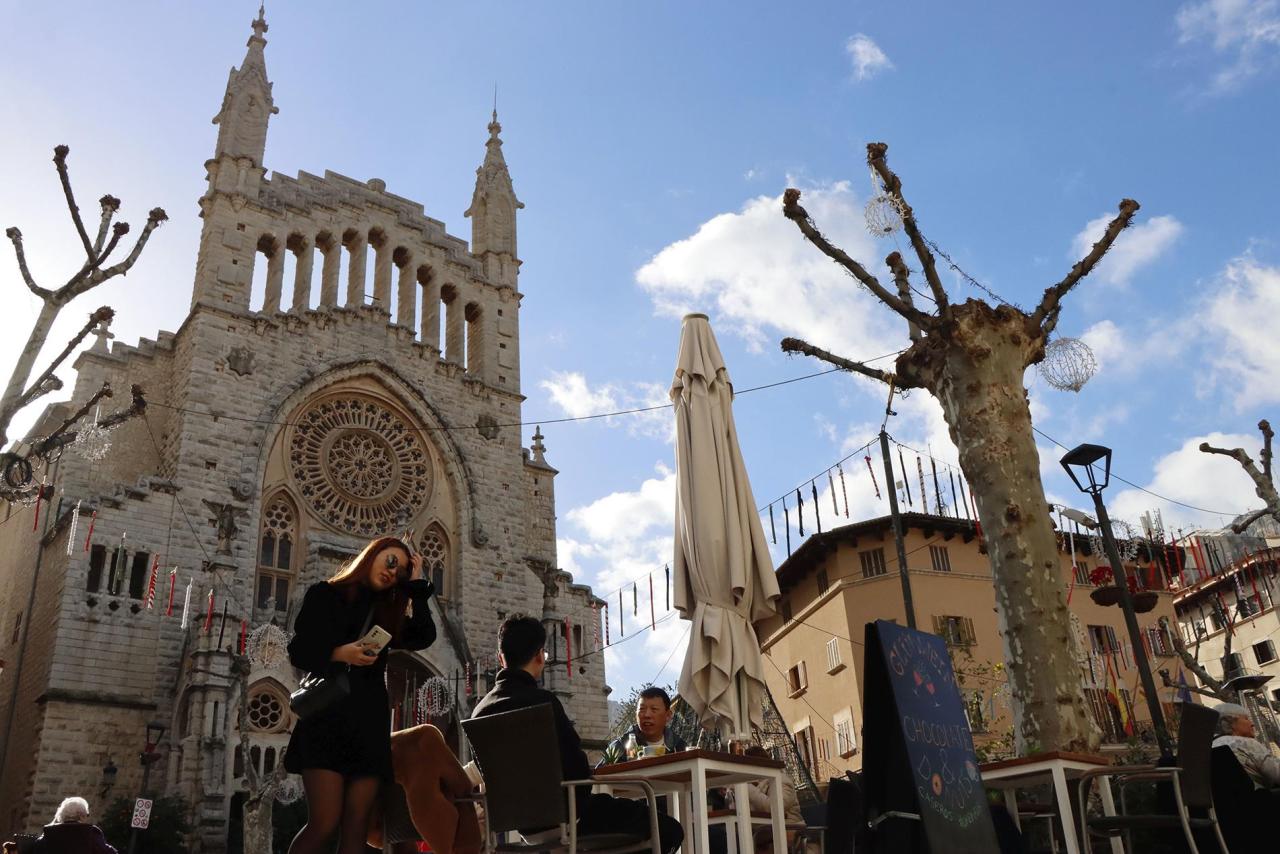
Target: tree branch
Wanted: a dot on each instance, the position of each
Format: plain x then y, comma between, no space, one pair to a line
792,210
60,160
60,438
1263,486
902,280
795,345
79,285
876,159
110,204
1189,661
1046,314
1267,435
118,231
16,236
104,313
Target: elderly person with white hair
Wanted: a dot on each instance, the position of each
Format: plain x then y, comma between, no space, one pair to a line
1235,730
72,832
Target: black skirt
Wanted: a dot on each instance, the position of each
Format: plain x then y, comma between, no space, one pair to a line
353,737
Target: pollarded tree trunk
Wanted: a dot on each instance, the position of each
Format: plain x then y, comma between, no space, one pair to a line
980,388
972,358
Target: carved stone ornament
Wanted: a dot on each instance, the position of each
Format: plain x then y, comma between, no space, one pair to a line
358,464
488,426
225,521
240,360
242,489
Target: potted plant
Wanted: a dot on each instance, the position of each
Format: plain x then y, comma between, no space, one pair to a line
1104,592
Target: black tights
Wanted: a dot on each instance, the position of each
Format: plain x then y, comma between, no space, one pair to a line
335,805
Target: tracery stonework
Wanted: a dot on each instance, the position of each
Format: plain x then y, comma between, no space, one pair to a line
358,464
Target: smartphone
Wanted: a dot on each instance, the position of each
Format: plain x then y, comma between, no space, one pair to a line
376,638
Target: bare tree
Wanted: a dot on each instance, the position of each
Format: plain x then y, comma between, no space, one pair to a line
971,357
91,273
1191,660
1264,484
260,790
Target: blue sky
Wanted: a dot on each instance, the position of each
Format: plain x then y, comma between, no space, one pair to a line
650,143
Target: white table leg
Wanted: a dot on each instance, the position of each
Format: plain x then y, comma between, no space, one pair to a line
776,812
1109,807
1065,814
700,832
1011,805
742,818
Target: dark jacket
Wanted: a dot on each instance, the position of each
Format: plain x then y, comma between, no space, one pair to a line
617,750
72,838
516,689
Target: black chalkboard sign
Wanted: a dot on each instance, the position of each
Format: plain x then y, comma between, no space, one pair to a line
919,751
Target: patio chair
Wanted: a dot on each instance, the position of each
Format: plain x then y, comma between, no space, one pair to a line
1189,779
518,755
1245,812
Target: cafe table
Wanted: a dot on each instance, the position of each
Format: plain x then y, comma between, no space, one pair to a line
1056,768
687,775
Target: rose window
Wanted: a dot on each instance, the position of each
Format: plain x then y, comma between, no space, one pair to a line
359,465
266,712
435,555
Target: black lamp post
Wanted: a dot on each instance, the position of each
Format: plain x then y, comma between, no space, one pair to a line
1085,459
148,757
109,772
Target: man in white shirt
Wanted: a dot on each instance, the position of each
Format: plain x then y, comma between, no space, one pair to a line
1235,730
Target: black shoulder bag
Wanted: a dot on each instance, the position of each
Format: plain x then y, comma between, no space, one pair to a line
317,692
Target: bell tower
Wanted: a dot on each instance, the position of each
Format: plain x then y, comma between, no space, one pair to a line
247,106
493,213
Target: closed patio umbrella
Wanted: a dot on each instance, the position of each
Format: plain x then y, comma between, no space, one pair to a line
723,574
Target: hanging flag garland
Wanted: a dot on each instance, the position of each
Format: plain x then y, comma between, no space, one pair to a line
800,510
635,600
89,536
622,630
955,508
150,602
845,493
606,624
876,486
208,617
222,624
116,575
186,607
786,524
666,570
595,627
831,485
244,635
963,500
568,650
817,510
173,582
924,496
937,492
906,481
773,529
653,619
71,531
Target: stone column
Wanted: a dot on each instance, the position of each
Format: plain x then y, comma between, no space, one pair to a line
430,311
302,276
382,277
357,253
406,294
329,274
275,280
454,328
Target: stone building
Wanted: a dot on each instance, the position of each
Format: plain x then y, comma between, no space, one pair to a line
375,389
839,580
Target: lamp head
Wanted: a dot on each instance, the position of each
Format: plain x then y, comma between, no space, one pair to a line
1083,461
155,732
109,772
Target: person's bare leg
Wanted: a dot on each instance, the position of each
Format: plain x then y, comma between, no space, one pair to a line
357,807
325,791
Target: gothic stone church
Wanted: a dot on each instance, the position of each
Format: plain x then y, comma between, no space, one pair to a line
371,392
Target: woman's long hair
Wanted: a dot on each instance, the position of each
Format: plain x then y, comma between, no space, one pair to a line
389,605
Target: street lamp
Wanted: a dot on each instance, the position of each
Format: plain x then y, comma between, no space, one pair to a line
148,757
109,772
1083,461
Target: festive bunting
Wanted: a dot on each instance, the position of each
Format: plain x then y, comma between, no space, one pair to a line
871,471
208,617
173,582
800,510
244,637
937,493
845,493
817,510
963,500
653,620
222,624
595,628
635,600
786,525
606,623
955,508
666,571
71,531
924,496
622,630
186,607
150,602
568,650
773,530
89,536
831,485
902,464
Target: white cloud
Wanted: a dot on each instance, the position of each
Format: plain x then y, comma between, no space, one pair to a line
1246,31
1241,312
1122,352
569,391
867,57
1136,247
762,280
577,398
1193,477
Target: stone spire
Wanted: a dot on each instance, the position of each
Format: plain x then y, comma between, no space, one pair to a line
493,207
247,104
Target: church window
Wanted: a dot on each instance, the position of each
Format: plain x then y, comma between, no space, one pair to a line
266,710
275,554
97,563
138,574
435,559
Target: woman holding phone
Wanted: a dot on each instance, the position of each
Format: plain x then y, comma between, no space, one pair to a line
343,752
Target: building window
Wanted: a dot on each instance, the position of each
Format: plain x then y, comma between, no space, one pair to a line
1082,574
1215,619
1103,639
797,679
956,631
1264,652
1232,665
435,559
846,743
267,710
1247,606
97,563
823,583
872,562
1159,641
941,560
138,574
785,609
833,656
275,554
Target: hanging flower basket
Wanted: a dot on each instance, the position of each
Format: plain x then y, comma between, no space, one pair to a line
1144,601
1105,595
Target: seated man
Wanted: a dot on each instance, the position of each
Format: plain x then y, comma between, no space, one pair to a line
1235,730
652,728
520,652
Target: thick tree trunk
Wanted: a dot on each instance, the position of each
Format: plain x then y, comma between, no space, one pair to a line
257,822
979,382
26,361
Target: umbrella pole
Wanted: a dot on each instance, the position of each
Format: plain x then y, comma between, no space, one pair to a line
897,527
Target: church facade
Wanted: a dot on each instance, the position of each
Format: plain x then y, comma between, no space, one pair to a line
375,390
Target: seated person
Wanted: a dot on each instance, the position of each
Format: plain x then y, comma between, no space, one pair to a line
652,728
520,652
1235,730
759,800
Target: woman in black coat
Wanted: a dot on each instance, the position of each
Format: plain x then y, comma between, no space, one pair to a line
344,752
